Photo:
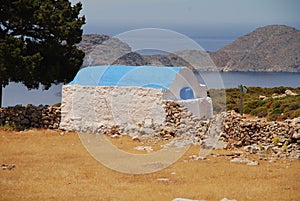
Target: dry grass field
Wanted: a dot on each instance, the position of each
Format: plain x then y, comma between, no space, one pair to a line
50,166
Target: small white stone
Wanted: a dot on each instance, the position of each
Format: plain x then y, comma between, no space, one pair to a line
185,199
289,92
226,199
148,122
296,135
239,160
252,163
163,179
144,148
115,136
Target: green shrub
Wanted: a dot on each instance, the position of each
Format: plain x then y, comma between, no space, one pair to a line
296,113
259,110
276,104
279,90
294,106
275,140
276,111
288,106
272,117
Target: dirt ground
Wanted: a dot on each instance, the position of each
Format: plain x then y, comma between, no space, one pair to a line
50,166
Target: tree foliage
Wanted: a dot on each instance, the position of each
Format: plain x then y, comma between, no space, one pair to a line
37,41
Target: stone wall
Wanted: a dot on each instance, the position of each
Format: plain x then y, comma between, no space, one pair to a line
239,131
30,116
260,136
279,139
255,135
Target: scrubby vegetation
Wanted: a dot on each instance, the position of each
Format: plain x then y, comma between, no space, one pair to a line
271,107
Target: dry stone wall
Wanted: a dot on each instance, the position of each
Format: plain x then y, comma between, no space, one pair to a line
239,131
30,116
256,135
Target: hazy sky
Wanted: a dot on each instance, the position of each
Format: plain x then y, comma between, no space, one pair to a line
191,17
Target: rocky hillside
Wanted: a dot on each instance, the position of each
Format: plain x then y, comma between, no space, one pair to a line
90,41
166,60
131,59
101,49
274,48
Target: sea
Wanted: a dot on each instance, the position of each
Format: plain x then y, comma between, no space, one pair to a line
17,93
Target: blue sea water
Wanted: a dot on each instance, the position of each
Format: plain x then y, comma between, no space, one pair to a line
17,93
261,79
213,44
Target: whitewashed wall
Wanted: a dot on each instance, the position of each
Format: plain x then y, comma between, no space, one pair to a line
185,78
89,107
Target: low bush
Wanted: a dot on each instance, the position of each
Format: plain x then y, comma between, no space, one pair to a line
271,108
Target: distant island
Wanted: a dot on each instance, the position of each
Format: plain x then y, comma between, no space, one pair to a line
273,48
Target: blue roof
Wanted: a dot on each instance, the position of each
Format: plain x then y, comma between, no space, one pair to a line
159,77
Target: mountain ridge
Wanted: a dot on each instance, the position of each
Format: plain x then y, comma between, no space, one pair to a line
273,48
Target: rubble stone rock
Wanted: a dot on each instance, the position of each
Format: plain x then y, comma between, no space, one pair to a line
30,116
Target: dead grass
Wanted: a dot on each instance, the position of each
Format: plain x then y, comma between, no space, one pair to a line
128,144
54,167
